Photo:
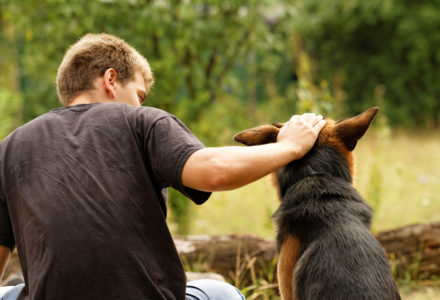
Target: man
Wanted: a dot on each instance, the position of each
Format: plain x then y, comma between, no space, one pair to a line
82,186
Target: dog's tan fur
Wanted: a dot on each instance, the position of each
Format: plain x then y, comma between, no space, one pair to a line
285,269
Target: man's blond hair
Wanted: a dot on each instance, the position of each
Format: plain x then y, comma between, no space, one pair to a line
90,57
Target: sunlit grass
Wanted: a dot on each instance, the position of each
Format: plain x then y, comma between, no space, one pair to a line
410,171
409,190
246,210
421,293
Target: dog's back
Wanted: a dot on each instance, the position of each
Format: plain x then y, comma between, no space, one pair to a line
338,257
325,248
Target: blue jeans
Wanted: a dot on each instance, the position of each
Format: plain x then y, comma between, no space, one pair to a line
203,289
208,289
10,292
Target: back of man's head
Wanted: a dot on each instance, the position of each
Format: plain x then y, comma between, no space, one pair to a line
90,57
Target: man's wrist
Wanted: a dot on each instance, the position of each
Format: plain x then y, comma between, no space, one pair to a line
290,150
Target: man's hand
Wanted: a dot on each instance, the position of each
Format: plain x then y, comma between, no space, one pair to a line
301,132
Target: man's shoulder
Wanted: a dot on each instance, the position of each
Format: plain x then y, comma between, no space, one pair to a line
134,114
104,110
148,111
28,126
146,116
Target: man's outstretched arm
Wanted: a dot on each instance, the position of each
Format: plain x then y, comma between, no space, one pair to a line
227,168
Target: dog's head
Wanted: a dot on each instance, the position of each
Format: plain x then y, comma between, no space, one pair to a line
342,135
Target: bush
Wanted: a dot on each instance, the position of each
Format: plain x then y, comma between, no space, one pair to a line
358,45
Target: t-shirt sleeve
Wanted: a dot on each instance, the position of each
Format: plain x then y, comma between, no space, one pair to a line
6,234
168,145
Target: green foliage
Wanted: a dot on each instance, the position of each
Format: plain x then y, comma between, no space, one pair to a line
188,44
358,45
180,211
257,53
10,107
217,125
310,96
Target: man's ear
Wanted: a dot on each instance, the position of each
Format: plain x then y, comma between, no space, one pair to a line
349,131
263,134
110,78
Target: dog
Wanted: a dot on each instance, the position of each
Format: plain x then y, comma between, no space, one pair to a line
326,250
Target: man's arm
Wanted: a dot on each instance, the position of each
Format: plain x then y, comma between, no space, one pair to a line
227,168
5,254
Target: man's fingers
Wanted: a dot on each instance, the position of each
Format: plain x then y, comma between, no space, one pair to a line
318,127
310,119
316,120
301,131
307,117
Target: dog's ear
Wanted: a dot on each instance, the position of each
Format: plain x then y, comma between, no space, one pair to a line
349,131
260,135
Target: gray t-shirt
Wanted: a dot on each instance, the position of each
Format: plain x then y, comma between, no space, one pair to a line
83,198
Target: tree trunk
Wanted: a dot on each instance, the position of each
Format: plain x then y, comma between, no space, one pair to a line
241,258
413,250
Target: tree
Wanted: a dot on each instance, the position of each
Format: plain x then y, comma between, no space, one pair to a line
361,46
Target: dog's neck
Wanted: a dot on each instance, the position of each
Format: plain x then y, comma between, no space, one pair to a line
311,172
320,161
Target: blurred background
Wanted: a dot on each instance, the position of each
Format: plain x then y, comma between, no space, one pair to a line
222,66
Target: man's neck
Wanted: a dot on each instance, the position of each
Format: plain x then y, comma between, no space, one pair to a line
86,98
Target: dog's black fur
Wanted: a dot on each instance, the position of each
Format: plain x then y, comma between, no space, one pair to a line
338,258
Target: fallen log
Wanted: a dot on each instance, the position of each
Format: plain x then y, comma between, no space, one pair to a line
414,252
240,258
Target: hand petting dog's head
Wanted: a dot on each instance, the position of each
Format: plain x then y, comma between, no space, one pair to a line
345,132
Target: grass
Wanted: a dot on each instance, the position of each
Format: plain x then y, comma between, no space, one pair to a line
420,292
246,210
398,173
408,191
410,171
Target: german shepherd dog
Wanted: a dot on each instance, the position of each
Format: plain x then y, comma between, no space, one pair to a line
325,247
